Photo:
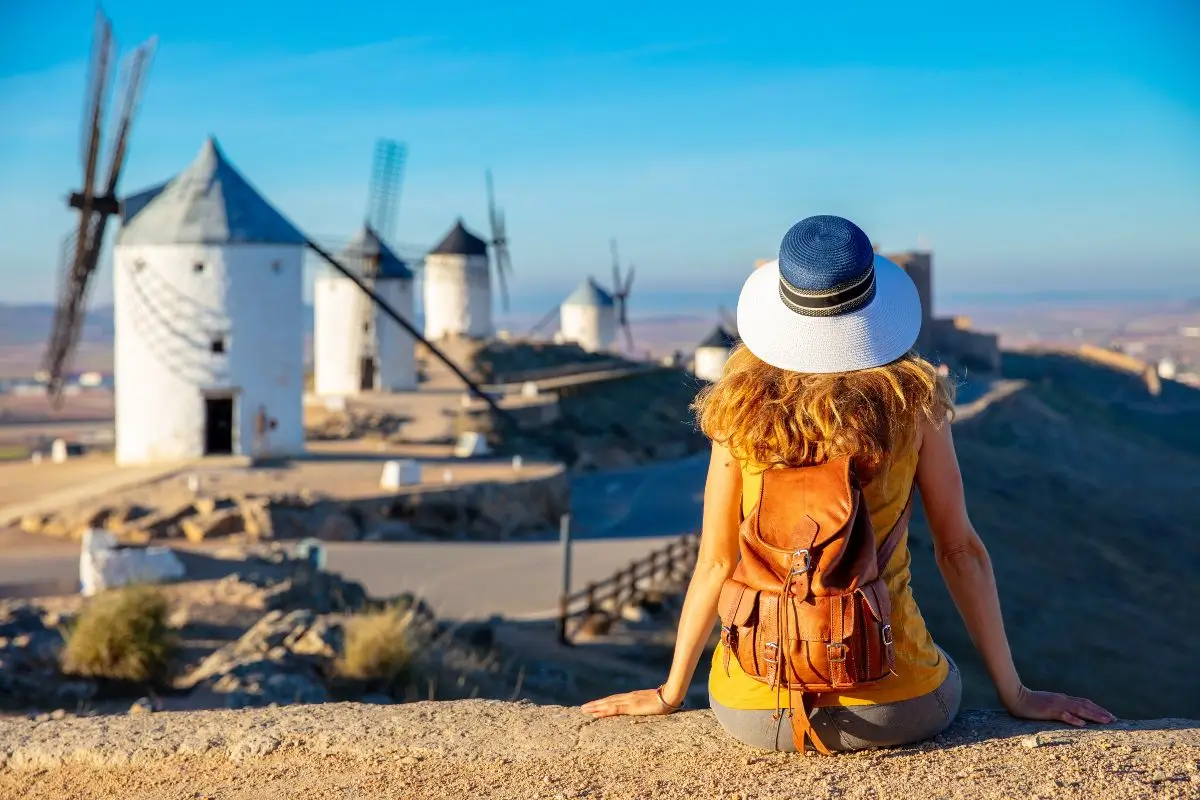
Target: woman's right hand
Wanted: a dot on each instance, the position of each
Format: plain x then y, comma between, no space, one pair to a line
1077,711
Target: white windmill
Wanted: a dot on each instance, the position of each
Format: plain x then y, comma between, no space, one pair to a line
591,315
708,362
356,347
209,320
457,280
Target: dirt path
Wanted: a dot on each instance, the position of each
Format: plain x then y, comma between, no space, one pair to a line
501,750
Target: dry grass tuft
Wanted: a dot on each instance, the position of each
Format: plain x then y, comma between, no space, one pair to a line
121,634
380,645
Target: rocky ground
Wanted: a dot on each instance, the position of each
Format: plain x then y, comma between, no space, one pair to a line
267,634
520,750
490,501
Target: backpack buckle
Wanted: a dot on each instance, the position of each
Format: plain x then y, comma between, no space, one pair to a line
840,649
773,648
805,563
887,635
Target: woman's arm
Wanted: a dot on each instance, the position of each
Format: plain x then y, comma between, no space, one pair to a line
967,570
717,557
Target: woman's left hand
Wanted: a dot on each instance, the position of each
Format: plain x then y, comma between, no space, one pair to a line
642,703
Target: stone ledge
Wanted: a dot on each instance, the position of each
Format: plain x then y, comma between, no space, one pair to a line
517,750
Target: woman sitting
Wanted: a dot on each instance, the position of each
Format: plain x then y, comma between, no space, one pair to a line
825,377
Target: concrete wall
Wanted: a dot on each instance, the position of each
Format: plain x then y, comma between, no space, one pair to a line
594,328
171,303
709,363
339,338
458,297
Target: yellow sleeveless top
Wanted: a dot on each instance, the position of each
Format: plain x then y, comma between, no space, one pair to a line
920,667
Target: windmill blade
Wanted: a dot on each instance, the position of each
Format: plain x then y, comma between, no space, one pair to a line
500,254
616,267
628,281
383,193
728,319
99,74
625,327
78,258
551,315
136,69
491,201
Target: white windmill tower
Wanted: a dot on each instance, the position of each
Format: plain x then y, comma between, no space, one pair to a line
209,320
708,362
591,315
356,347
457,281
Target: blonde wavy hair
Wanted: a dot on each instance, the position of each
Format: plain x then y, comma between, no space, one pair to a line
769,417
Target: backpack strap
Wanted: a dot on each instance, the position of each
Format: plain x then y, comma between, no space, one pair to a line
890,542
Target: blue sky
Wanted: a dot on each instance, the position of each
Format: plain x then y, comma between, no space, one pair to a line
1049,146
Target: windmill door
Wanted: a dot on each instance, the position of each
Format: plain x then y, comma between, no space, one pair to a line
218,426
367,374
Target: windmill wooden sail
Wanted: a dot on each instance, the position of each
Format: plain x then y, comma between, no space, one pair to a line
96,202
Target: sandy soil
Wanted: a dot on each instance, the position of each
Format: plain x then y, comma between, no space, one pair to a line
503,750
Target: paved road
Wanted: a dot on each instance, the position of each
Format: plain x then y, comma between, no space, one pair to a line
619,517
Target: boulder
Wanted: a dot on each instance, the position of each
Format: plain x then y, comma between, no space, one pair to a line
284,658
338,527
31,640
225,522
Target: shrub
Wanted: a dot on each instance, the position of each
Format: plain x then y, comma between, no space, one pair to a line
121,634
380,645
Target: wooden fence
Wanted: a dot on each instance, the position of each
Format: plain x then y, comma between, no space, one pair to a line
675,561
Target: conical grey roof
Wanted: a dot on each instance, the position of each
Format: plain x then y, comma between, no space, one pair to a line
208,203
460,242
589,293
370,257
719,338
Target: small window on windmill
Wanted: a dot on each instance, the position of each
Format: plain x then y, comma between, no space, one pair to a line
366,327
198,266
139,265
276,265
218,344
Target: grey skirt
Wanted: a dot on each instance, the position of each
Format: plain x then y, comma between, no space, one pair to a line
844,728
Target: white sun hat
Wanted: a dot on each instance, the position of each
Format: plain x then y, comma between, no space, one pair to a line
829,303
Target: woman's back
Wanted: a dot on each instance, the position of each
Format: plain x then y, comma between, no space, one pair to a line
920,667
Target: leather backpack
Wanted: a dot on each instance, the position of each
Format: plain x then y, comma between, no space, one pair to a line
806,610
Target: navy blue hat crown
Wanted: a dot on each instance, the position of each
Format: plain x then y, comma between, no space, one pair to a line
826,267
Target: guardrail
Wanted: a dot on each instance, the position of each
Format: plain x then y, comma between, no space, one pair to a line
675,561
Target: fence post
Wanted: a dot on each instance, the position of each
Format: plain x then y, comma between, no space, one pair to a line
564,534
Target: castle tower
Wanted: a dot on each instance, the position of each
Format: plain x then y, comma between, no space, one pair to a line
209,318
712,353
589,317
356,347
919,266
458,287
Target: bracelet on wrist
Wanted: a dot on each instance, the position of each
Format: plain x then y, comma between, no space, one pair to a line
670,708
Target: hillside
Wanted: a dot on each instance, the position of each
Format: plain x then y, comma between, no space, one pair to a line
1089,506
507,750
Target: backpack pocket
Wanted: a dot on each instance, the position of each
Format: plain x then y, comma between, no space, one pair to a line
876,643
738,610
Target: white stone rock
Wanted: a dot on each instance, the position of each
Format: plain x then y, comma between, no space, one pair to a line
58,451
470,443
401,472
102,565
